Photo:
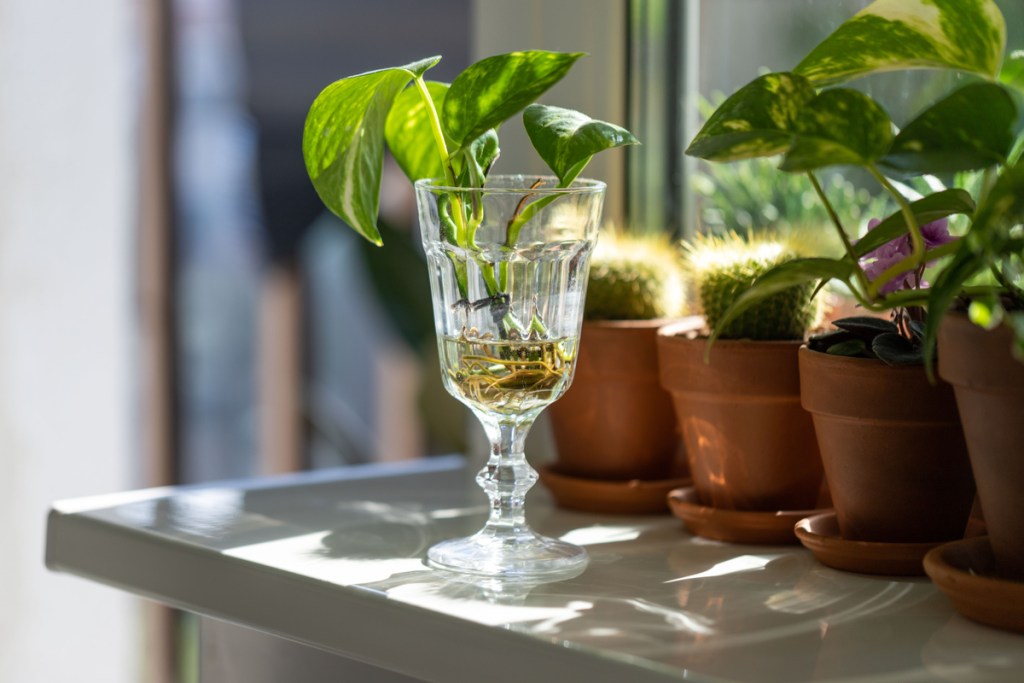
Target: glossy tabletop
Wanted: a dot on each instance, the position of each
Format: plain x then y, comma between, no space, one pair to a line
334,559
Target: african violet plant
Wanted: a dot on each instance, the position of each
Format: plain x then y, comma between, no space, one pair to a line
447,132
802,116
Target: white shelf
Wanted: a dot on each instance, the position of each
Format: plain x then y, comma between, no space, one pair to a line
333,559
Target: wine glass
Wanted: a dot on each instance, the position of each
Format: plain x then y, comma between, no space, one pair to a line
508,272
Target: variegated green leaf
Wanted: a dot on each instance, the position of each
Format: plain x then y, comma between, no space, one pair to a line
969,129
495,88
409,135
567,139
756,121
473,162
409,132
839,126
343,142
1012,73
889,35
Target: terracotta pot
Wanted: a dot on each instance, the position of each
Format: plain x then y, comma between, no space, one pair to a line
989,387
749,444
615,421
892,446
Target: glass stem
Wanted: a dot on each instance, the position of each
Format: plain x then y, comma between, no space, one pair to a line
507,476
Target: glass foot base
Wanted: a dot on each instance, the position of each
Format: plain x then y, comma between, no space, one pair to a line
515,557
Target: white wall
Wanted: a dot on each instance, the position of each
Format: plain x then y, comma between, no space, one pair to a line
67,171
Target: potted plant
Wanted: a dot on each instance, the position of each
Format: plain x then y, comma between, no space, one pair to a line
813,124
616,424
507,255
749,444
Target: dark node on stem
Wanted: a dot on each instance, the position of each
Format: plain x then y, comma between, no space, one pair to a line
522,204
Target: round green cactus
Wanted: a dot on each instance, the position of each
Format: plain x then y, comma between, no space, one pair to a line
634,278
724,267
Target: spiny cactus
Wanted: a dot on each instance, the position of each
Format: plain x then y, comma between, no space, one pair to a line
634,277
724,267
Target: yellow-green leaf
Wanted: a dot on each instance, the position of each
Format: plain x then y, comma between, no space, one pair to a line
755,121
343,142
889,35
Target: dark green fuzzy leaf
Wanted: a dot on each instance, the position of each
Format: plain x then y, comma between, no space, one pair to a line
866,327
969,129
927,209
822,342
849,347
839,126
917,329
343,142
756,121
889,35
567,139
496,88
894,349
409,132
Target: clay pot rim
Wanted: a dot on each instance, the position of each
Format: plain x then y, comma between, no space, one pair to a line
644,324
835,360
675,333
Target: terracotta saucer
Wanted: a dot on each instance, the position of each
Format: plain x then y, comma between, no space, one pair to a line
734,526
820,535
626,497
964,571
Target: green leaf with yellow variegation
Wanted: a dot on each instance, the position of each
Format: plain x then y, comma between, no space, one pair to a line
343,142
409,132
566,139
839,126
756,121
1012,73
890,35
969,129
495,88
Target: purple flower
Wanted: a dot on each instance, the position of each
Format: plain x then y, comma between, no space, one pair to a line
879,260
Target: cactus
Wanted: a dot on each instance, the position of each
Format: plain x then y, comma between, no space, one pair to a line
725,266
634,277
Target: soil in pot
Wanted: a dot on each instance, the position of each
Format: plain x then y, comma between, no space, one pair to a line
749,444
616,422
892,447
989,386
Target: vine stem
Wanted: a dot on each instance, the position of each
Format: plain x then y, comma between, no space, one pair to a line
462,236
435,129
862,279
917,246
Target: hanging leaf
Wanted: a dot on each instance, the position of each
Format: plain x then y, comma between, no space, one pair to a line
782,277
756,121
927,209
566,139
409,132
972,128
839,126
495,88
1012,73
890,35
343,142
473,162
